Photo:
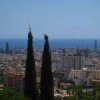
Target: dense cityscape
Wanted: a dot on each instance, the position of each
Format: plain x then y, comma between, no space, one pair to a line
50,50
71,68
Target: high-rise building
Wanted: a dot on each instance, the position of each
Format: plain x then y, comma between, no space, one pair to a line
95,44
7,47
74,61
69,62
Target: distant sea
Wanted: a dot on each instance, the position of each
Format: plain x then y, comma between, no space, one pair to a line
54,43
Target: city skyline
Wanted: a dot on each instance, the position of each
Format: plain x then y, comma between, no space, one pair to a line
59,19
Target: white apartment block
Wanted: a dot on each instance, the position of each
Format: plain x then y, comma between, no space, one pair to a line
84,76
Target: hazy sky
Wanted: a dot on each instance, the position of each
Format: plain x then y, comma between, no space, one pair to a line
58,18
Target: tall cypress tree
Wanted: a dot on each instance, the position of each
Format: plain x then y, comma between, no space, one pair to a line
30,72
46,84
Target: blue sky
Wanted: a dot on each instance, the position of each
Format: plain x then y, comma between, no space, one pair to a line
59,18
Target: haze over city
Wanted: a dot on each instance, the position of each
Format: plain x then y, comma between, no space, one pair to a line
49,49
59,18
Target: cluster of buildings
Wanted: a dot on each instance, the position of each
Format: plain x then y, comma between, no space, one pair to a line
85,76
79,66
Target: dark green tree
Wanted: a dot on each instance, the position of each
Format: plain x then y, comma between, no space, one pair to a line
30,89
46,85
78,92
9,94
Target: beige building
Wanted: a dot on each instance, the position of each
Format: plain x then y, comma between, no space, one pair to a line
81,77
96,74
14,79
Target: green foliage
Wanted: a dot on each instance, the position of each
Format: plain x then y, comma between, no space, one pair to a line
65,98
57,98
87,96
97,87
8,94
80,95
96,91
78,92
98,96
69,98
46,85
1,79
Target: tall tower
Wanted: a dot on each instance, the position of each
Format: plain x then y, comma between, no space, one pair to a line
78,52
95,44
7,47
64,51
87,52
